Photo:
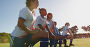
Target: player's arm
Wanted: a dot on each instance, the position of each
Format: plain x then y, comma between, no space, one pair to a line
53,27
71,34
23,27
41,27
50,34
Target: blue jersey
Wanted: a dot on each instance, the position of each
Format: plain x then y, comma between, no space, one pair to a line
57,31
65,29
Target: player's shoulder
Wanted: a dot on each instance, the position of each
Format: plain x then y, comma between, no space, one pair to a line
24,10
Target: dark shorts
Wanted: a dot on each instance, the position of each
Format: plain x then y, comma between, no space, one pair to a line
44,42
44,39
19,42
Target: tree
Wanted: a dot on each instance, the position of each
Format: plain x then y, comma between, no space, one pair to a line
86,28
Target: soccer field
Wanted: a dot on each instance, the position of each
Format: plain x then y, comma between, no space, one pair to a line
84,42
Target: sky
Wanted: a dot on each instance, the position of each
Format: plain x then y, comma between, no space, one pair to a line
76,12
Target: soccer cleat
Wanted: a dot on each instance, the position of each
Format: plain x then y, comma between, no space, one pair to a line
71,45
66,46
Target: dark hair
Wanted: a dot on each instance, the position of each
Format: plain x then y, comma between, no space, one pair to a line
55,22
28,2
49,14
42,9
66,23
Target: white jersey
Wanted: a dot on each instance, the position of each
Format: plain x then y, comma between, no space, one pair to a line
40,20
27,15
50,25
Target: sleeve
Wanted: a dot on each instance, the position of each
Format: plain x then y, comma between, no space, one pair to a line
22,14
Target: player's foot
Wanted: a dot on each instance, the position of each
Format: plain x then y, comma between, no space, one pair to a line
71,45
66,46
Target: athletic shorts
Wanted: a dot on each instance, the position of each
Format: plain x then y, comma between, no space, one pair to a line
19,42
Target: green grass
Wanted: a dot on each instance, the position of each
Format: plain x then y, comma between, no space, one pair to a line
4,45
84,42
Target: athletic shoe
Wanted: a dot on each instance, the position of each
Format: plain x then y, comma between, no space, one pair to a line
71,45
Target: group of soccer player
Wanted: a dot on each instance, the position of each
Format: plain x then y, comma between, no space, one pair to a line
29,31
45,23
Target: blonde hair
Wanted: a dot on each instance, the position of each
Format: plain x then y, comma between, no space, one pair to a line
28,2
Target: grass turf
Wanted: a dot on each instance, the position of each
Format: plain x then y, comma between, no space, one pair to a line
84,42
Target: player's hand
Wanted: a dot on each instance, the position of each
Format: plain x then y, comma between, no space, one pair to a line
58,37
